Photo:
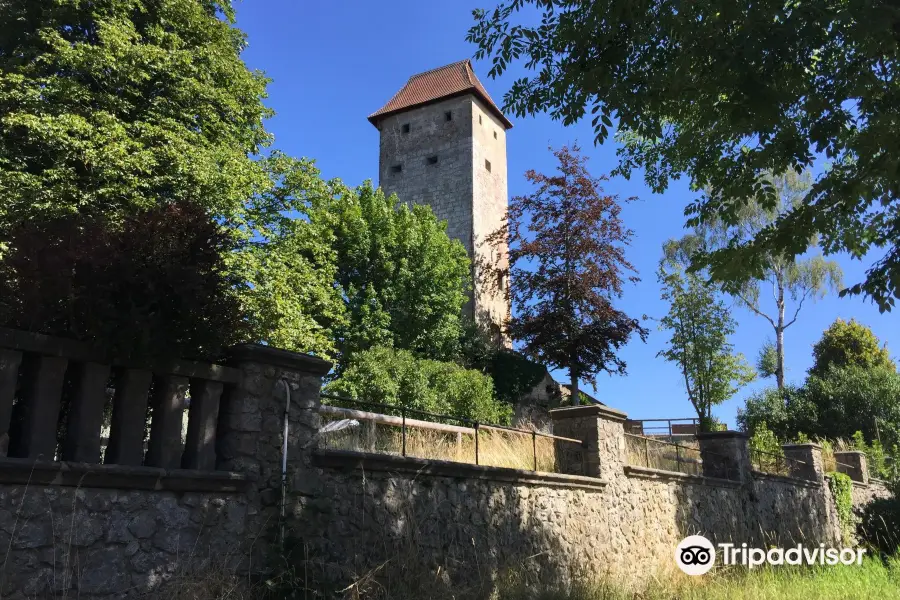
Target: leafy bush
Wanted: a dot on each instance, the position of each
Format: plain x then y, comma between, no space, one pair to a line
396,377
154,285
880,525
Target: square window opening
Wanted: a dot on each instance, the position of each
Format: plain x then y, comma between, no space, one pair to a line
448,116
405,128
431,160
487,165
396,169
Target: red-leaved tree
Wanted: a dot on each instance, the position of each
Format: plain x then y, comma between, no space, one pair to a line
567,264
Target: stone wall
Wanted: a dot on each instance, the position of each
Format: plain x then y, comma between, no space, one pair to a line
111,542
373,520
113,530
414,527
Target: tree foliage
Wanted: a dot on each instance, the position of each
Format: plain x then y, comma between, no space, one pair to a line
790,280
402,279
699,325
114,107
724,92
849,343
853,387
398,378
152,286
567,264
334,270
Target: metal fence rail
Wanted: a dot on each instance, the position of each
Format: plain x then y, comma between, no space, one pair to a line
409,432
778,464
643,451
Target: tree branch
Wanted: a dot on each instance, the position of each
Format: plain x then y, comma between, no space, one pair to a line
751,306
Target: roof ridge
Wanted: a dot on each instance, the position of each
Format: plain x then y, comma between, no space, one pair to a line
465,60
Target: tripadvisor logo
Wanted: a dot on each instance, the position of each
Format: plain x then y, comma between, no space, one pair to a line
696,555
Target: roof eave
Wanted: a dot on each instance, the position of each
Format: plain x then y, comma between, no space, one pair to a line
374,118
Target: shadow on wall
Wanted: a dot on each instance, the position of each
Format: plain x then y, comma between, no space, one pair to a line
65,541
394,536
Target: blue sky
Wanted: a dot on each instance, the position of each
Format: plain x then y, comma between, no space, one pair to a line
334,63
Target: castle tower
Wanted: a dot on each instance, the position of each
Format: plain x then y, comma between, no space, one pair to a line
443,143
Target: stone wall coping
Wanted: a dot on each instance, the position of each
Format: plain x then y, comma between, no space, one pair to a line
41,472
721,435
842,452
859,484
277,357
784,479
805,445
593,410
366,461
650,473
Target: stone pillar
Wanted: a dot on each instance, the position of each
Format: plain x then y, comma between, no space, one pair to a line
251,423
854,464
601,430
725,454
811,455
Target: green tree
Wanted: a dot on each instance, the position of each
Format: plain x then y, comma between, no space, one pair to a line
792,281
854,398
334,270
849,343
567,263
700,324
287,259
402,279
398,378
723,92
787,412
115,106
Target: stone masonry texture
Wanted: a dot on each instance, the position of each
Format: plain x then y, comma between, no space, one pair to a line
444,164
355,517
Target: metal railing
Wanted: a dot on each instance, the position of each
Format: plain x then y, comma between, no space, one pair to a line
672,429
771,463
387,429
643,451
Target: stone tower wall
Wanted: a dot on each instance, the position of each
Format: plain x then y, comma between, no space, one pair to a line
458,187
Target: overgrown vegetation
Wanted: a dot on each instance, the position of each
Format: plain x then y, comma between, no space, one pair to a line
841,487
852,387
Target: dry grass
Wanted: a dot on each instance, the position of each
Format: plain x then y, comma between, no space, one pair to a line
643,451
495,448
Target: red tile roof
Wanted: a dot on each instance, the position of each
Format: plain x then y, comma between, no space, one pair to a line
430,86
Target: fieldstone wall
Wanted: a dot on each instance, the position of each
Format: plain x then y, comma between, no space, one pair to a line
117,531
111,543
360,522
373,520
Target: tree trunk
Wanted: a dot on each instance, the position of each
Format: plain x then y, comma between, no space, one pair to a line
573,387
779,339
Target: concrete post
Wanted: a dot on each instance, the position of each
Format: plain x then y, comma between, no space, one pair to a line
854,464
811,455
601,429
725,454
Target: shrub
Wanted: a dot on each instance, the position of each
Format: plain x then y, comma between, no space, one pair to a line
154,285
879,526
397,378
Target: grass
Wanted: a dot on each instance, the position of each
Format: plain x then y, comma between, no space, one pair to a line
873,580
